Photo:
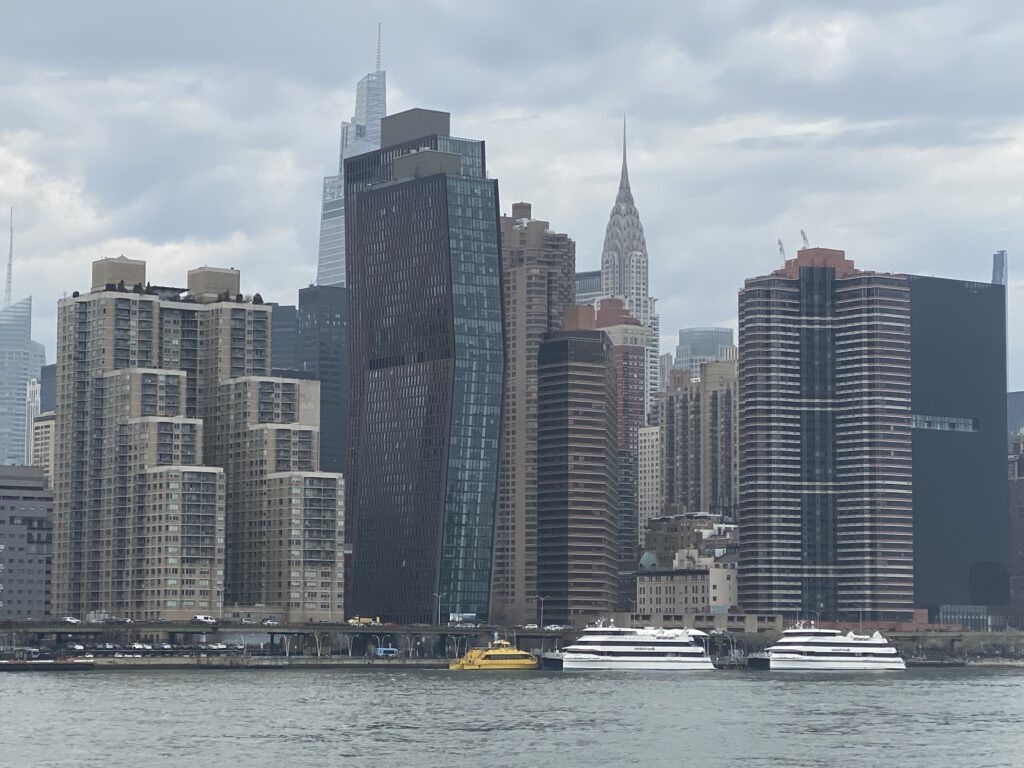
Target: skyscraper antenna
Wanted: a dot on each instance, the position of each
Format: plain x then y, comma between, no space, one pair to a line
623,138
10,264
378,46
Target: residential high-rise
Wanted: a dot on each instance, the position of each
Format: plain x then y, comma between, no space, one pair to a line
961,525
359,135
144,375
284,525
323,354
698,423
649,471
703,345
32,409
826,483
577,483
588,287
630,342
44,445
624,272
426,365
537,282
26,540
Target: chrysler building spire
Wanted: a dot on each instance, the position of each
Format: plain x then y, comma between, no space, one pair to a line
624,268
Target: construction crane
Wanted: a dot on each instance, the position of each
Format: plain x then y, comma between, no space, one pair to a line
803,235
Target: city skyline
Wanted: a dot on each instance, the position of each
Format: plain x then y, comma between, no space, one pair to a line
220,161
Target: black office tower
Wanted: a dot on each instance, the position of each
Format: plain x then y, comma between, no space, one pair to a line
423,267
961,516
323,354
284,329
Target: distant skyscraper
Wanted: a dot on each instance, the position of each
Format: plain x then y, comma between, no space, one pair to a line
1014,413
426,365
698,423
323,354
359,135
20,361
588,287
48,388
703,345
284,344
537,268
666,363
624,271
999,268
825,507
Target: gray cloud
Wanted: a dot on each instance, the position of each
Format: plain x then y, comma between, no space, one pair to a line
198,133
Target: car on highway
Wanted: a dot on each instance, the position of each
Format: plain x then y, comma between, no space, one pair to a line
271,622
529,626
249,621
201,619
70,620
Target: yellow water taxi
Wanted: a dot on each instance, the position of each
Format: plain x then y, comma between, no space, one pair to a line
498,655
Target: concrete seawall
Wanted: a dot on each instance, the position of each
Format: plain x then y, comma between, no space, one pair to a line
259,662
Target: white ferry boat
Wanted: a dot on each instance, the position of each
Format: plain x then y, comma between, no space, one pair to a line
611,647
829,650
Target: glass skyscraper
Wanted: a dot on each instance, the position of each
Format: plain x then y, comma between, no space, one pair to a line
426,366
20,360
359,135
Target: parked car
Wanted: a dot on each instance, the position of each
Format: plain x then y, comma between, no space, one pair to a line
70,620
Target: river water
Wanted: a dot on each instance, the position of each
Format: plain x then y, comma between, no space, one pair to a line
965,718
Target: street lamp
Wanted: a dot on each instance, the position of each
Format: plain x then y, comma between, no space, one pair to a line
860,615
542,598
439,595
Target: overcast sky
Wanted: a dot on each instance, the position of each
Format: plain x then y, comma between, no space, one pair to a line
195,133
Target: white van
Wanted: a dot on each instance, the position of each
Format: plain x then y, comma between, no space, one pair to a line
197,619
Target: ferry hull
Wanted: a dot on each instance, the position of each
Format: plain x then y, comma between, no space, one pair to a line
776,664
576,663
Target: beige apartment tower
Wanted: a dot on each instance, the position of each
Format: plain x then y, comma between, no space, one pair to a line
538,279
699,441
146,504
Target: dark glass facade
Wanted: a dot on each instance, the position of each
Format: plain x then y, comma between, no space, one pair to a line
284,339
48,388
426,366
323,355
577,476
961,517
